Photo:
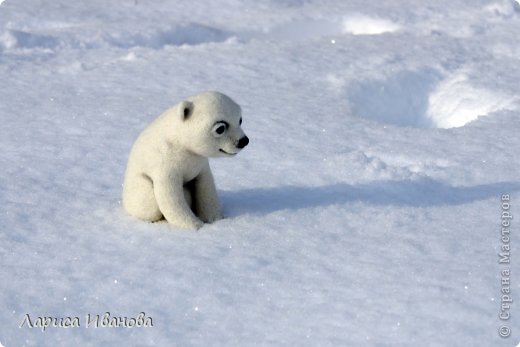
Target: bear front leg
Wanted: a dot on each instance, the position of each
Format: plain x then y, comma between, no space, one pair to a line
205,198
169,193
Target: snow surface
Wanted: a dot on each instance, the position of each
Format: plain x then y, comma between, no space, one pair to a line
364,212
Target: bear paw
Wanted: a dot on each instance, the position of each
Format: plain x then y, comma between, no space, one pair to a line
210,218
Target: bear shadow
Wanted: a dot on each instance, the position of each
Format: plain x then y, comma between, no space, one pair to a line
424,192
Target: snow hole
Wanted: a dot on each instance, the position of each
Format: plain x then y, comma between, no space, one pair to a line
423,99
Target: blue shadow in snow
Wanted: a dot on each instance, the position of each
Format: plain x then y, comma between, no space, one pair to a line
402,99
417,193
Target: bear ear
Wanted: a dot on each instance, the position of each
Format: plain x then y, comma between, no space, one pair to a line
186,110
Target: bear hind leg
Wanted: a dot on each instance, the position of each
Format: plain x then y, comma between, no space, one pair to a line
139,199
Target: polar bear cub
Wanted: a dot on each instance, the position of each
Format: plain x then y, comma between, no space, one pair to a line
168,173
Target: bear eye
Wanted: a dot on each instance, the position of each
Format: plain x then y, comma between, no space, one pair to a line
240,121
219,128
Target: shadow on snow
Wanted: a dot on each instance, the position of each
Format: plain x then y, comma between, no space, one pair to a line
412,193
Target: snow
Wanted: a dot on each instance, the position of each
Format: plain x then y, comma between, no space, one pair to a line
365,211
363,25
456,102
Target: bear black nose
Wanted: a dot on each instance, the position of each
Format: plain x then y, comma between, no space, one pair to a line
243,142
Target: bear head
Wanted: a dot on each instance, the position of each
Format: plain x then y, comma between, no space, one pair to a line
211,125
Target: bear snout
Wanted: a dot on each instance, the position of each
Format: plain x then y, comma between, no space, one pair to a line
243,142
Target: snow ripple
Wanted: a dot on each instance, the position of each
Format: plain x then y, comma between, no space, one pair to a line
189,34
186,34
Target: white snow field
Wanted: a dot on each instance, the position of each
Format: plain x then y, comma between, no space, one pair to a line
366,210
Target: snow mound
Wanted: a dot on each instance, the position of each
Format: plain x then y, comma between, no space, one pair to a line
363,25
455,102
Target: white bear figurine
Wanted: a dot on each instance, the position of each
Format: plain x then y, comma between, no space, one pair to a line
168,173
